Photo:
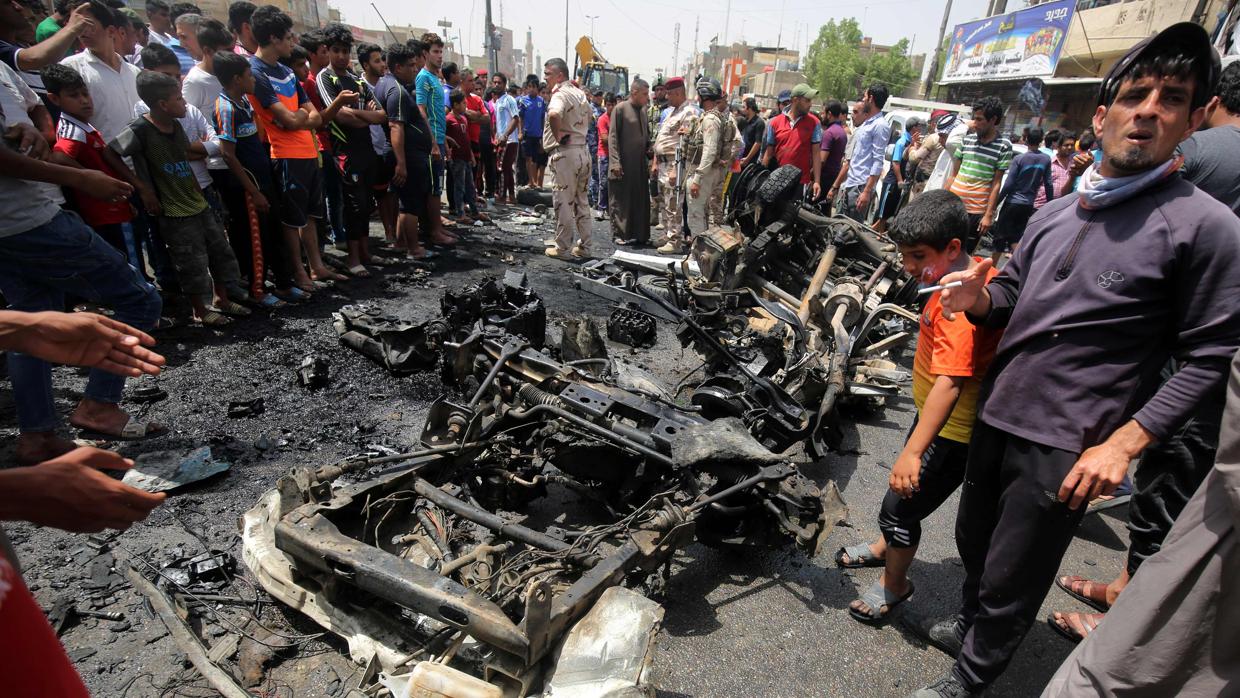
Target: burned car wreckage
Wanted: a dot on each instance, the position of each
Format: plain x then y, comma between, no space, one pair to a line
549,488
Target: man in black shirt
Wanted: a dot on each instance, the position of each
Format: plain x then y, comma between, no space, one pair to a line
751,134
410,137
355,155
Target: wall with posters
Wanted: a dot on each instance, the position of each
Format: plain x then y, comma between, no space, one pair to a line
1026,43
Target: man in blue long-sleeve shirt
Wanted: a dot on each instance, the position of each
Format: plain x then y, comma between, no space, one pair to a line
1029,172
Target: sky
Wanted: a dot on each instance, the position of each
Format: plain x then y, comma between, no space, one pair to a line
640,33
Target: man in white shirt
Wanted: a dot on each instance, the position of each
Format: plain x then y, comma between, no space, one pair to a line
112,81
159,21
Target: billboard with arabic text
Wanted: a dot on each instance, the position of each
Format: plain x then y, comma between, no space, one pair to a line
1021,44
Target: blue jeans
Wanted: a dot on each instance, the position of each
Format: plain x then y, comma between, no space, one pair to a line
37,268
600,172
464,196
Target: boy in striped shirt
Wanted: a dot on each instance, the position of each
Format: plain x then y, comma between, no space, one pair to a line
978,169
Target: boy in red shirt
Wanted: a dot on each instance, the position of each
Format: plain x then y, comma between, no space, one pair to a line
951,360
79,144
461,159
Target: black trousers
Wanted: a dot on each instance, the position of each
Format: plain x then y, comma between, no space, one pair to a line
974,235
1168,475
942,470
275,255
1012,532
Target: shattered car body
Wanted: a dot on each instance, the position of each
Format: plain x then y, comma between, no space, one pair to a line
543,486
794,312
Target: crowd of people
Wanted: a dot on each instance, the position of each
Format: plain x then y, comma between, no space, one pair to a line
238,165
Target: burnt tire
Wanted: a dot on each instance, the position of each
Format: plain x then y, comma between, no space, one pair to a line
783,184
534,197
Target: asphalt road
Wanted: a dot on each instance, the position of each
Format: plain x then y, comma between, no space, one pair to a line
763,623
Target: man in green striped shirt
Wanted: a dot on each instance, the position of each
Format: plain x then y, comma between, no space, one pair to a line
978,169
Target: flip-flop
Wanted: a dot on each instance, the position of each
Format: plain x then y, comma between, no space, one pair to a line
270,300
133,430
213,319
1070,634
876,597
381,261
1067,589
295,294
232,308
859,556
359,271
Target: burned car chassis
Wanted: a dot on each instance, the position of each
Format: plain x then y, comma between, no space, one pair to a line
544,485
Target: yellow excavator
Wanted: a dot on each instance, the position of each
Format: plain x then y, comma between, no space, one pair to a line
595,73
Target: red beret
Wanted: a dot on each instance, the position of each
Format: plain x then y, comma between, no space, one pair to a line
674,83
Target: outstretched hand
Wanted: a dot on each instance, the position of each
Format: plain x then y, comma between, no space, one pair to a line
70,493
84,339
966,297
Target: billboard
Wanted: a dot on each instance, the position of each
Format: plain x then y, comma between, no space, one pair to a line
1020,44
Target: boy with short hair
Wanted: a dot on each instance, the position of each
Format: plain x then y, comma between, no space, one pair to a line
288,120
250,184
355,158
196,242
79,143
200,85
951,359
461,160
411,138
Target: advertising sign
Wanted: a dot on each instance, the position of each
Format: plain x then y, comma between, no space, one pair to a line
1022,44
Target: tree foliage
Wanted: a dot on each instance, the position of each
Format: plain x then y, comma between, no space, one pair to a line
837,68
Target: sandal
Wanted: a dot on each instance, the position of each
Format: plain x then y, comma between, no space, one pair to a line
1080,625
272,301
132,431
213,319
858,556
295,294
233,308
360,271
1071,584
877,598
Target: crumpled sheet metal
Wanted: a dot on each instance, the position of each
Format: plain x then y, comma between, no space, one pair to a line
720,441
163,471
609,652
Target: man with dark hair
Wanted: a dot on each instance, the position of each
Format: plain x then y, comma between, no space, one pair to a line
870,140
428,89
834,141
159,21
980,162
411,140
1169,472
752,132
793,138
373,61
289,118
564,140
1212,155
1030,174
200,86
239,14
1139,267
533,110
354,158
508,139
111,79
898,183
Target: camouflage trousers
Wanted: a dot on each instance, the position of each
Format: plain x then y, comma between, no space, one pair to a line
200,252
670,213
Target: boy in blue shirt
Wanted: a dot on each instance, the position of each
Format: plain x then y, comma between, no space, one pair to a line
428,89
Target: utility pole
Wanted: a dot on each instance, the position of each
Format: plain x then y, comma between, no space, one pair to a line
489,44
727,18
938,52
592,18
565,30
693,59
676,48
445,25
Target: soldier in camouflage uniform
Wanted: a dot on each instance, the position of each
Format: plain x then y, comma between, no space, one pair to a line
728,153
703,150
674,126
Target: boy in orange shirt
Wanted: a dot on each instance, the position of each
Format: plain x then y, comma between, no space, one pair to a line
952,357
